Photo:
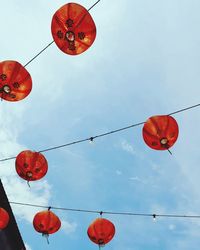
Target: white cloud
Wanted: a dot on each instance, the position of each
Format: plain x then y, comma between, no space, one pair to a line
16,188
172,227
68,227
27,247
128,147
118,172
135,178
18,191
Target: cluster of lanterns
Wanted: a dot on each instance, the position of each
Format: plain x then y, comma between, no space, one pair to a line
159,133
73,31
101,231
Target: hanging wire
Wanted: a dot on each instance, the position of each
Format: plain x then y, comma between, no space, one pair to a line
55,208
38,54
185,109
154,216
100,135
53,41
94,5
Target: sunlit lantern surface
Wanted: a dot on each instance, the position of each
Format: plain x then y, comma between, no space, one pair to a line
4,218
30,165
160,132
73,29
15,81
46,222
101,231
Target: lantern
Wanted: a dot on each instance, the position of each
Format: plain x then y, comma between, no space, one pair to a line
160,132
4,218
30,165
46,222
73,29
101,231
15,81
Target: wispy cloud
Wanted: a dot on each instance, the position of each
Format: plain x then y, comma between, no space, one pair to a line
68,227
128,147
118,172
27,247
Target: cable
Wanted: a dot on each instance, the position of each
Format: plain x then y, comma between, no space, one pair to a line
100,135
185,109
94,5
108,212
38,54
53,41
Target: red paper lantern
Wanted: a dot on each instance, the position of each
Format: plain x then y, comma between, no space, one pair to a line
30,165
73,29
101,231
4,218
160,132
46,222
15,81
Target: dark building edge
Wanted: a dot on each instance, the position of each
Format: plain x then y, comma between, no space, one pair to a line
10,237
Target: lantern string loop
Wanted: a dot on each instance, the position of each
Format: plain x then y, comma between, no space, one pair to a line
28,183
47,237
169,151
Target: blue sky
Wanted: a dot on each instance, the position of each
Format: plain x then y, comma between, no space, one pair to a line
144,62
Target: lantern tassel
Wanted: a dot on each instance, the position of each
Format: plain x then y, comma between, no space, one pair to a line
28,184
47,237
169,151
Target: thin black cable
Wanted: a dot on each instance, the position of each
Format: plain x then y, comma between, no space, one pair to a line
94,5
38,54
64,145
91,138
117,130
181,110
8,159
56,208
53,41
100,135
79,141
108,212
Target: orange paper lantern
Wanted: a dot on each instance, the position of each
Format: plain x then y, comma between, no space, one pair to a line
46,222
160,132
15,81
101,231
4,218
30,165
73,29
